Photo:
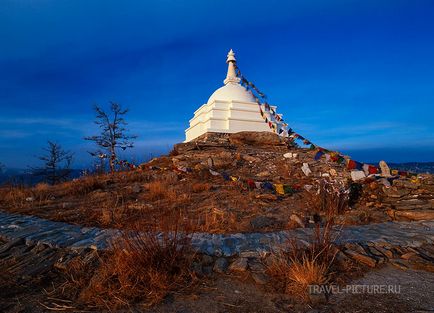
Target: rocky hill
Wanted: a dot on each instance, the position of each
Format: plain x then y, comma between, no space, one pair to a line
239,182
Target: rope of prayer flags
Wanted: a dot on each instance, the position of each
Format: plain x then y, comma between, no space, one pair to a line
277,124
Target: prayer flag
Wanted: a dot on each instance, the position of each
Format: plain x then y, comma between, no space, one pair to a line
251,183
351,165
279,189
288,189
318,155
267,185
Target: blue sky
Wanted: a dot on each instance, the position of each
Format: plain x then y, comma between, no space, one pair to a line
356,76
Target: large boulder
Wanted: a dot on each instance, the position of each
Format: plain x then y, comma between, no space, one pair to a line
255,138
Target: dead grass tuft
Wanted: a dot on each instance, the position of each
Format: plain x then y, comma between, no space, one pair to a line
200,187
159,190
144,267
331,198
296,267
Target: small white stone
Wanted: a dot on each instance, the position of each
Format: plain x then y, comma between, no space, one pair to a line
357,175
306,170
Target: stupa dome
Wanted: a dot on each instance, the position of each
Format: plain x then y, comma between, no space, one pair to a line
230,109
232,92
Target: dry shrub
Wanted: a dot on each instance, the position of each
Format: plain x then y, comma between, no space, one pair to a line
331,198
14,196
216,221
41,188
295,268
159,190
199,187
143,267
84,185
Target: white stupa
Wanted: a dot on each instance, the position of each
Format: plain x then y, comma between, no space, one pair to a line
230,109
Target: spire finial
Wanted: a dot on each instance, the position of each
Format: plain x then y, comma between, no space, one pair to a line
231,77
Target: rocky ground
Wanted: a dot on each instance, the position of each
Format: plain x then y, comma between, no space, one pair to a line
183,182
384,227
36,278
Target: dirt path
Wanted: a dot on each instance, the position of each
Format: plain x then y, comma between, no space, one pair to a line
229,294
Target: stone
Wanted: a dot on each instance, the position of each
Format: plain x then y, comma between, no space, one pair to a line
222,160
385,170
207,270
333,172
249,158
260,278
196,267
296,219
249,254
207,260
357,175
254,138
411,215
408,255
361,258
239,265
221,265
263,174
256,266
404,183
306,170
262,222
399,264
136,188
384,181
395,192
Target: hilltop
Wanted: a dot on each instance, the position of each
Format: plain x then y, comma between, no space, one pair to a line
241,182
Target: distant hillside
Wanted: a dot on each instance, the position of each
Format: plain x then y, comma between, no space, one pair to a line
417,167
23,176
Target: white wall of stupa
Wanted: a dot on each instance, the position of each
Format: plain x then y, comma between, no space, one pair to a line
230,109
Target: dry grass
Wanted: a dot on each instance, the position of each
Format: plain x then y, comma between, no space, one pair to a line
200,187
294,268
142,268
159,190
330,198
297,267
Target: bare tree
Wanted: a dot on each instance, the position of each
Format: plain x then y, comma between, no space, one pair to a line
56,166
114,134
2,167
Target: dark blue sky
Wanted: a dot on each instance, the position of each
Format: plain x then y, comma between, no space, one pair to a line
357,76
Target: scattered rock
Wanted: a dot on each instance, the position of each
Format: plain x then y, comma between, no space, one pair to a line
306,170
249,158
357,175
207,260
385,170
399,264
256,266
220,265
408,255
297,220
239,265
262,222
361,258
260,278
255,138
196,267
411,215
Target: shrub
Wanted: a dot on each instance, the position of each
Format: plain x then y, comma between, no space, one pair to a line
144,266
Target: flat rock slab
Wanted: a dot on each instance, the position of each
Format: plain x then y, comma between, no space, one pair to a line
63,235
